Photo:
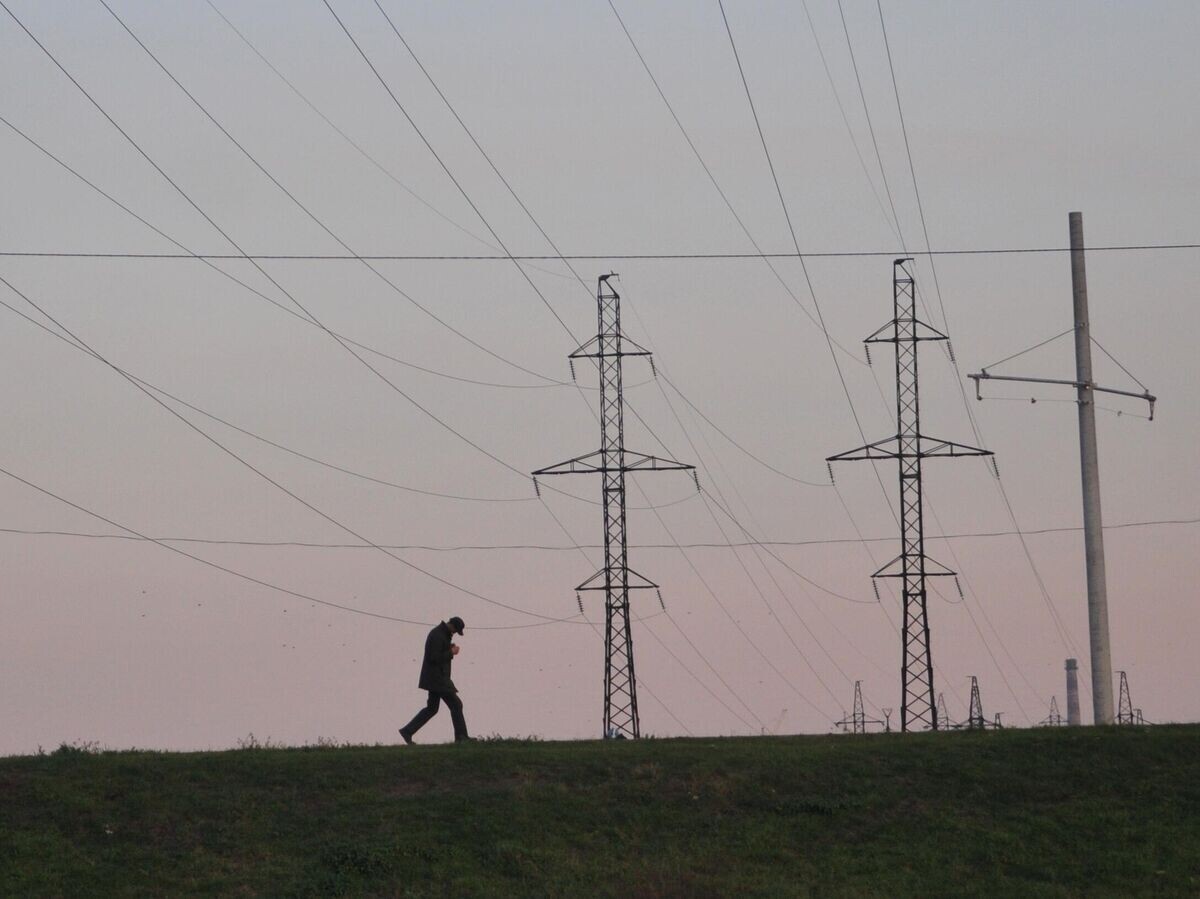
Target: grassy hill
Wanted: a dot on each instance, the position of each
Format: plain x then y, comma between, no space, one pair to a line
1098,812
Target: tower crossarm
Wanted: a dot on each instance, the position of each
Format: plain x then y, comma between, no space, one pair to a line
910,447
595,462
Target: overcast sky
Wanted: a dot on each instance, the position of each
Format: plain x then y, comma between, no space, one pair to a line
1016,114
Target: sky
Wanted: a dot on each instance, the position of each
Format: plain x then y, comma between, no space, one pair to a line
277,615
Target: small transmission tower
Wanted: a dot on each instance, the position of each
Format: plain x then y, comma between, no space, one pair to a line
1054,719
858,720
975,719
612,461
1126,714
909,447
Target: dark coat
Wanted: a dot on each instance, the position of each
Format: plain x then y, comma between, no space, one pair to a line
435,667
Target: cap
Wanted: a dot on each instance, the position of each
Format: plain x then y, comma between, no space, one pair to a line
456,625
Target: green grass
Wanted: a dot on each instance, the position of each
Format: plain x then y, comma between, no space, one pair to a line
1062,812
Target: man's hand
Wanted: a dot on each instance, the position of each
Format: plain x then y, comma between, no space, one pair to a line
453,649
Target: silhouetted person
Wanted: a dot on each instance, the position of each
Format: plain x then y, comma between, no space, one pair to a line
435,677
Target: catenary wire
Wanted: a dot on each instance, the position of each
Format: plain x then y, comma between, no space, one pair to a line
623,255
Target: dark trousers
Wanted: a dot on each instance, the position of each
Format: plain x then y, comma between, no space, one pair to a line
453,703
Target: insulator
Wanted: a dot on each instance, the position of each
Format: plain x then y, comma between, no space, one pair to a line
653,370
995,468
571,362
660,599
829,465
868,349
537,487
960,592
696,479
579,601
875,587
950,350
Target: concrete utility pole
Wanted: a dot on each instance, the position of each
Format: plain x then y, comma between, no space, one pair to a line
1089,470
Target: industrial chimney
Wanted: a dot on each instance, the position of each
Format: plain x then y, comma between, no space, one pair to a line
1072,693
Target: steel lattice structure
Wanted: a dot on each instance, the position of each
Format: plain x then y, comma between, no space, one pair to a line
612,461
1054,718
858,720
975,719
909,447
1125,711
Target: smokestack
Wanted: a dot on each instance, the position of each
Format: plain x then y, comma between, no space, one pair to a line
1072,693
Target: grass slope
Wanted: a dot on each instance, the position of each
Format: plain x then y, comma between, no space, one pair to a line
1060,812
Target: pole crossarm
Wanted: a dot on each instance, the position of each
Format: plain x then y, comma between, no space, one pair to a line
985,375
917,446
592,463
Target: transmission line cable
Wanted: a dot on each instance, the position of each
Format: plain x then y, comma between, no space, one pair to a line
499,175
713,180
251,578
355,144
300,205
446,169
870,125
259,472
588,257
976,430
548,547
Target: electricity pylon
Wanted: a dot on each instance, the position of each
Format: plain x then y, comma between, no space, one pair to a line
1125,710
1089,468
975,719
612,461
858,720
1054,719
909,447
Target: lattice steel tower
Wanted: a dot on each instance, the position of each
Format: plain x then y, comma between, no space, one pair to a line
858,720
975,719
1125,710
909,447
613,461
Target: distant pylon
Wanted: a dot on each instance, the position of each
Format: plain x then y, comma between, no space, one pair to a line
1125,712
612,461
887,720
1054,719
975,719
858,720
943,715
908,448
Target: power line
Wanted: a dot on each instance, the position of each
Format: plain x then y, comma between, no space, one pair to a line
446,169
519,202
257,471
551,547
619,256
353,143
250,578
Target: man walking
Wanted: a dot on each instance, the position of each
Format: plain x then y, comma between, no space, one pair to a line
440,651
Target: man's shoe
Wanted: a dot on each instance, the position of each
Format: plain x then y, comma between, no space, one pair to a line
405,736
